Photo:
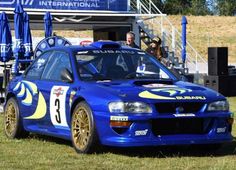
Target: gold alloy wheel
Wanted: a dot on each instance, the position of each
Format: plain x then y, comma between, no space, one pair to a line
10,119
81,128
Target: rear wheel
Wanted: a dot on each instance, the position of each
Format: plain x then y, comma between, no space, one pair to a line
83,129
12,121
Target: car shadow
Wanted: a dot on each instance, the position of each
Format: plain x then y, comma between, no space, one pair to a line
51,139
157,152
175,151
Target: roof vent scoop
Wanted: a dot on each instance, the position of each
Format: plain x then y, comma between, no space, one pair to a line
106,45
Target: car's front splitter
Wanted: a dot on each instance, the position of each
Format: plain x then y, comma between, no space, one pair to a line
141,131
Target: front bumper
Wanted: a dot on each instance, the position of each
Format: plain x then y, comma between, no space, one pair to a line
141,132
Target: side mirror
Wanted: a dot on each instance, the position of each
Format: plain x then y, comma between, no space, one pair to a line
66,76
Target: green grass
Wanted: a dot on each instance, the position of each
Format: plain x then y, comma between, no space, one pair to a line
39,152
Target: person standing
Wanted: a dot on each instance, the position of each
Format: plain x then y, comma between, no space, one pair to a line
155,50
130,37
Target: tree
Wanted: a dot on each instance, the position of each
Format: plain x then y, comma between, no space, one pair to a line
176,6
226,7
199,7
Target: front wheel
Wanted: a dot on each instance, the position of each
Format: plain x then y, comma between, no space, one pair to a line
13,126
83,129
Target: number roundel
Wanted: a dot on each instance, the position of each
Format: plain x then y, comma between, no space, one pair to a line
49,42
58,106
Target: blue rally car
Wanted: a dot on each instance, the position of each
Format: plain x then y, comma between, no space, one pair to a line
106,94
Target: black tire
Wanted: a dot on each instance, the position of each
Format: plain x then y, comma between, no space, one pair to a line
13,126
83,130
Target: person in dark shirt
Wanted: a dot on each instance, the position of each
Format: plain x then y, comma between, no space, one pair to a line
130,37
155,50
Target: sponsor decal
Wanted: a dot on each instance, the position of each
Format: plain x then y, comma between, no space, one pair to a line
184,115
85,42
157,85
141,132
119,118
113,52
141,69
58,91
190,97
82,52
221,130
170,94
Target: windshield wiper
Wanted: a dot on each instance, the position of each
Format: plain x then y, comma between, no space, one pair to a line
100,77
132,75
138,75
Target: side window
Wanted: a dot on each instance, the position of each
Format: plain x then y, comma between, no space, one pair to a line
36,70
55,65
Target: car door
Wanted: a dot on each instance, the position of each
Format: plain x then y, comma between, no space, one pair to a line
56,92
32,104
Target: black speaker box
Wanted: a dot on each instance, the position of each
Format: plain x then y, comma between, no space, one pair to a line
225,85
217,83
217,61
232,85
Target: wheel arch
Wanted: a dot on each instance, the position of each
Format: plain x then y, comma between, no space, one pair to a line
10,95
79,99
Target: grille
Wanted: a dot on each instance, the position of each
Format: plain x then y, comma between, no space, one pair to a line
181,126
187,107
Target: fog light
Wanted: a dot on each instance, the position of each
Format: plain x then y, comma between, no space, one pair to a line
120,123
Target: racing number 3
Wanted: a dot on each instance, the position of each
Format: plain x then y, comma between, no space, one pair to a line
58,116
58,106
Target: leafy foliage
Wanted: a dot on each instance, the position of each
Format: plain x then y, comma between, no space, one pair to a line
197,7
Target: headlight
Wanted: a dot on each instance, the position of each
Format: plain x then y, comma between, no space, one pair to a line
129,107
218,106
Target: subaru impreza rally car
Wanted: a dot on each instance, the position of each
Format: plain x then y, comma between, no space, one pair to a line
106,94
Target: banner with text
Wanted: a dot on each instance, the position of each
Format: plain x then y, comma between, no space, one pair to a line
104,5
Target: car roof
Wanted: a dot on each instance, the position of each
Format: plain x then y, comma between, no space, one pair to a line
99,45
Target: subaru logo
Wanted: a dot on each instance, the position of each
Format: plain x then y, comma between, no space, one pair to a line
179,109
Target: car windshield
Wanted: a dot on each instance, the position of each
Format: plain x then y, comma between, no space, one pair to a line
119,65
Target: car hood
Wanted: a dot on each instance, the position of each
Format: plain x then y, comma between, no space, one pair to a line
163,91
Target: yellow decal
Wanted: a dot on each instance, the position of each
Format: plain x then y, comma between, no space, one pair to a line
173,91
28,99
32,87
41,109
22,91
148,95
17,86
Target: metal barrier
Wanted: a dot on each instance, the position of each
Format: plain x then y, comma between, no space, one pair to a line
161,26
